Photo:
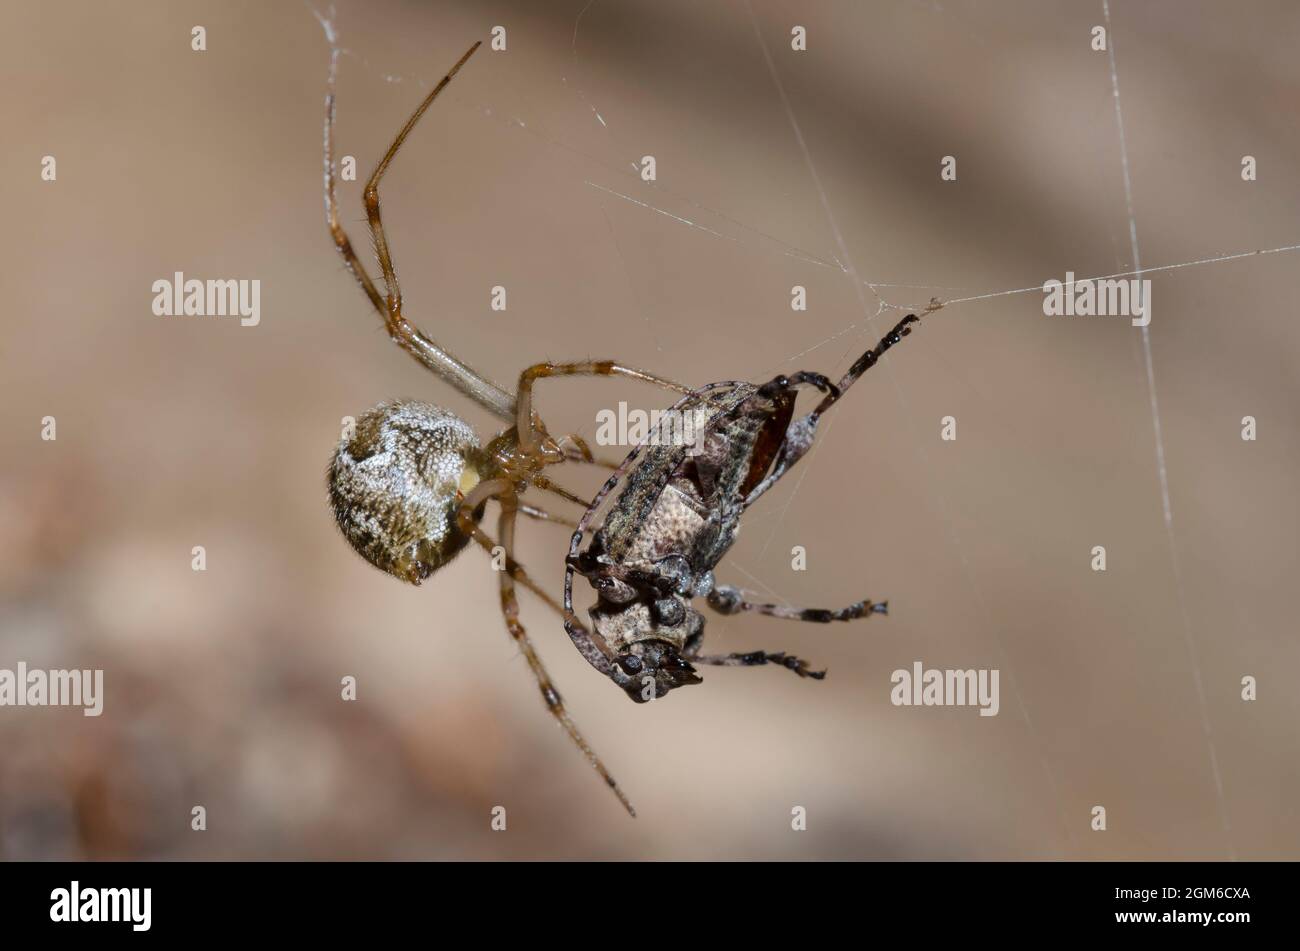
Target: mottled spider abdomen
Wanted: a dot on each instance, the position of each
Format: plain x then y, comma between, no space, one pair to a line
397,484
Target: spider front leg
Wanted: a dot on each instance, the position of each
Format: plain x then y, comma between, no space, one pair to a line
504,492
575,449
531,433
542,515
409,337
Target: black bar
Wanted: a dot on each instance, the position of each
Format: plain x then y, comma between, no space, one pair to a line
929,900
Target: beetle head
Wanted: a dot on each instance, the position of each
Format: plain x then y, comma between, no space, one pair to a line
649,669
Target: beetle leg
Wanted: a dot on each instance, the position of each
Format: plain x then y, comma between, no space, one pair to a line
868,360
652,583
802,378
747,659
800,433
726,599
759,658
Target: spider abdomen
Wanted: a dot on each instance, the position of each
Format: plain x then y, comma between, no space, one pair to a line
396,484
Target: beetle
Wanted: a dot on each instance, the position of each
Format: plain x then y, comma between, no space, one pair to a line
676,518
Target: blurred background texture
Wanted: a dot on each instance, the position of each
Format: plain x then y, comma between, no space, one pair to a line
222,686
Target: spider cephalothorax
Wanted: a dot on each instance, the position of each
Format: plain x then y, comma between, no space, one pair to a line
409,486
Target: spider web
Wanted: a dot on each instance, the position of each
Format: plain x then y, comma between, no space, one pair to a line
876,298
1161,468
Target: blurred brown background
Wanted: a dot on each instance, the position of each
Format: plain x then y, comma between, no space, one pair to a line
222,687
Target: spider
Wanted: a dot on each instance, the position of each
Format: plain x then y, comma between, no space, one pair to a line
409,486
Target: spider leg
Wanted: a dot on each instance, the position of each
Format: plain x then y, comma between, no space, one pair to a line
575,449
546,485
505,495
601,461
726,599
530,434
544,516
515,569
341,240
582,637
800,433
409,337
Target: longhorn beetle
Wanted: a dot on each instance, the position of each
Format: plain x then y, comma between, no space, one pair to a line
676,518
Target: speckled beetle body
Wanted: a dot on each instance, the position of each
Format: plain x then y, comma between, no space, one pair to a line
675,519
